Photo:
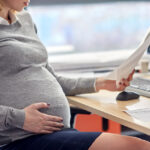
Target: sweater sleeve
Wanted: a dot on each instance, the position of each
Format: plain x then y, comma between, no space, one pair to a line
11,117
73,86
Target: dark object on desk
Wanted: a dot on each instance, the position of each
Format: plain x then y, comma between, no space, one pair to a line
125,96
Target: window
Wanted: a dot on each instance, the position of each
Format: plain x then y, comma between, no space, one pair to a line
93,27
96,27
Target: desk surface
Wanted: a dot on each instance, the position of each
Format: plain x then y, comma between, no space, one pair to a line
104,104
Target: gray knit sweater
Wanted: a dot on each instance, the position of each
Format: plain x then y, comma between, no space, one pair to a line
27,78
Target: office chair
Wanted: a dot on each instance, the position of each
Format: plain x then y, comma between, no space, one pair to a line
95,123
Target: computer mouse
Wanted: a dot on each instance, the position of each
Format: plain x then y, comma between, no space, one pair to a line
125,96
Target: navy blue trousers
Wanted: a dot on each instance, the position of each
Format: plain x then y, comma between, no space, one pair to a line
67,139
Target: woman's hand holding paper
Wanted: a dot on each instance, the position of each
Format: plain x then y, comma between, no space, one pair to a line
110,85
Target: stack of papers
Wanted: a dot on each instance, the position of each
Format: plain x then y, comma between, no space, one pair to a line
142,114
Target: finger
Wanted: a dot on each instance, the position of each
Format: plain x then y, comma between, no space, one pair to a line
133,71
40,105
54,124
121,88
47,128
53,118
131,75
129,78
46,131
125,82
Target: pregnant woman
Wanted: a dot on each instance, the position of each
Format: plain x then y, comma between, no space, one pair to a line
34,111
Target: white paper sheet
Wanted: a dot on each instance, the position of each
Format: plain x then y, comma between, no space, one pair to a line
128,66
140,114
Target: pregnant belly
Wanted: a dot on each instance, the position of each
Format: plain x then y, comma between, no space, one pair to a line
23,94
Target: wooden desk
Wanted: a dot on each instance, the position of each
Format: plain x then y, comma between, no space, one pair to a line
105,105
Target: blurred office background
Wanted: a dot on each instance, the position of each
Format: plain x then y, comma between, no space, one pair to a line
86,28
87,35
93,26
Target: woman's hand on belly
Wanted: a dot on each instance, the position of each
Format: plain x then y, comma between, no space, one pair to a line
41,123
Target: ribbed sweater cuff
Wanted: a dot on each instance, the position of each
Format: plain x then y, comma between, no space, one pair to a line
87,85
15,118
